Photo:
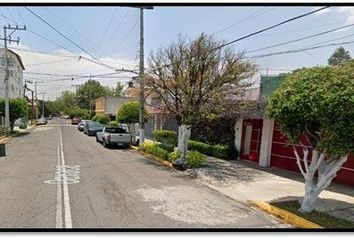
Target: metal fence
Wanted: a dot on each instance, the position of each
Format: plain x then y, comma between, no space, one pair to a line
160,122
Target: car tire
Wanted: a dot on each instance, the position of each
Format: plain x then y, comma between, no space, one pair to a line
104,143
97,139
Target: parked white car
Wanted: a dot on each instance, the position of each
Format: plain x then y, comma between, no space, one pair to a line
114,136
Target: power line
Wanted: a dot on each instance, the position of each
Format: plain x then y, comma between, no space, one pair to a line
248,17
61,34
301,49
271,27
107,27
50,62
114,33
300,39
126,36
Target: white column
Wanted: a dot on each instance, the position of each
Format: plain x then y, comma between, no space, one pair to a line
266,142
238,135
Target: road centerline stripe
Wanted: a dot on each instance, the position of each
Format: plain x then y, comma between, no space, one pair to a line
59,215
67,211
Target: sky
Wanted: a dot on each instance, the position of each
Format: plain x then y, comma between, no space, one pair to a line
111,35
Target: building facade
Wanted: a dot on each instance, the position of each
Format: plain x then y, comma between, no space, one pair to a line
259,140
15,67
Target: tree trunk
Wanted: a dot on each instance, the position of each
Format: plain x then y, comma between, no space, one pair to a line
184,132
310,198
327,169
132,130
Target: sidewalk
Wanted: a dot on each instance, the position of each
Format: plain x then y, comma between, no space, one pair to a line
245,181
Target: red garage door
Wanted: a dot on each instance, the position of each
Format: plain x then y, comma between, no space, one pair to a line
251,139
282,156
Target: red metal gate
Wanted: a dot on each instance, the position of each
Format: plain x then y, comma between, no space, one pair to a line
282,156
251,139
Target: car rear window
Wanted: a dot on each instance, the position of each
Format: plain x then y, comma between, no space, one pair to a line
116,130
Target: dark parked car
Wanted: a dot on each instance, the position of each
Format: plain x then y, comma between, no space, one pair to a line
91,128
81,125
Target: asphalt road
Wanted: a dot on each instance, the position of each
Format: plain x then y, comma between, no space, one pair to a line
57,177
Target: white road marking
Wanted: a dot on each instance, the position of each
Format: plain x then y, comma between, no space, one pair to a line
67,212
59,215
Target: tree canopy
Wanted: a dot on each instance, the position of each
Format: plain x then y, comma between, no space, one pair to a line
18,109
129,113
317,102
194,79
339,56
88,92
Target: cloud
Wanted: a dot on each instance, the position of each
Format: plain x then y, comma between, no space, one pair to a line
348,12
62,62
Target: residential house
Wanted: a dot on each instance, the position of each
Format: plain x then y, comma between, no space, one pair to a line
159,118
259,139
109,105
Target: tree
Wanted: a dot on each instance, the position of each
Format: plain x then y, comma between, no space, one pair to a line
66,101
88,92
194,80
116,91
77,112
339,56
314,107
129,113
18,108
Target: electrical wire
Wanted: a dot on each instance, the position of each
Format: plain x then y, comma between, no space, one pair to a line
300,39
270,27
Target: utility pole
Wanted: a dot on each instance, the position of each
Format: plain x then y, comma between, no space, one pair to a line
35,89
43,104
7,38
32,102
141,79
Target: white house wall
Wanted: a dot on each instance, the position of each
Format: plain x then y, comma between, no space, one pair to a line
266,142
238,134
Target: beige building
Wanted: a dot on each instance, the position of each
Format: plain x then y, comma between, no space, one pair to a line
109,105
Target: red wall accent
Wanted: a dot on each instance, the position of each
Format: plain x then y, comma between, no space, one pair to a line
282,156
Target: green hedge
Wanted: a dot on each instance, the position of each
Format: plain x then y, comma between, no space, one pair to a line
167,138
156,150
103,119
219,151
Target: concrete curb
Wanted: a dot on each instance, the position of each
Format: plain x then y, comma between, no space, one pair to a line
153,157
8,138
285,215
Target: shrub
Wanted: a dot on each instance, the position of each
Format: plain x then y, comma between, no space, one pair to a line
201,147
94,118
173,156
113,123
195,159
156,150
3,131
219,151
103,119
167,138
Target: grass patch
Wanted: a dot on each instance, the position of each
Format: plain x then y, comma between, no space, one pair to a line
323,219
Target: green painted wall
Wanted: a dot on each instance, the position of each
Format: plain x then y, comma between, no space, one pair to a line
269,84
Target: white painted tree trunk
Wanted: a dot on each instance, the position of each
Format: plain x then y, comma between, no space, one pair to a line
132,129
184,133
327,169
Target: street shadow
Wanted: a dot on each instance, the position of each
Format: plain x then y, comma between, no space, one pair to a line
226,171
295,176
20,134
333,207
